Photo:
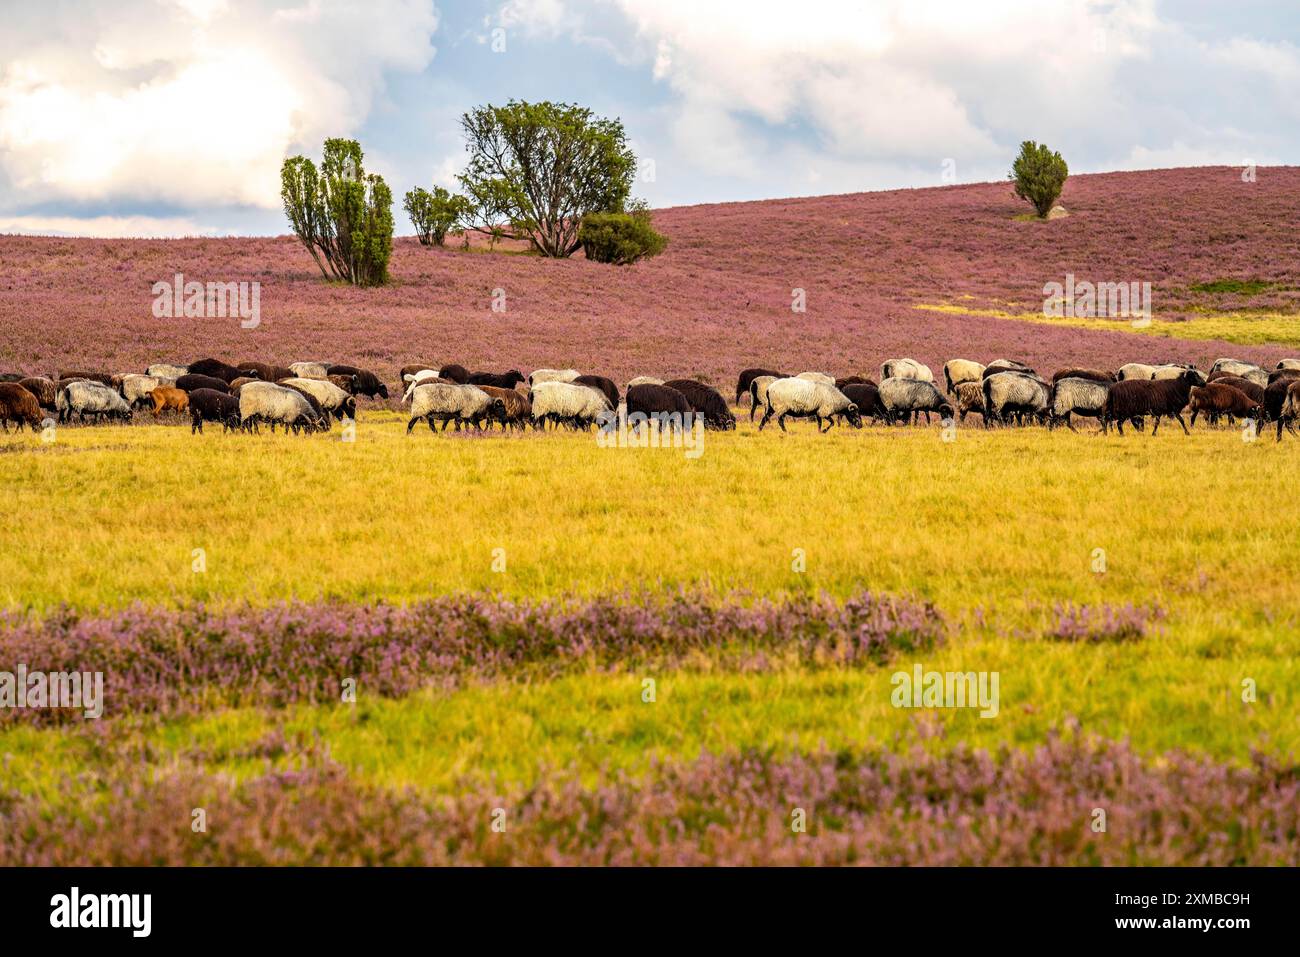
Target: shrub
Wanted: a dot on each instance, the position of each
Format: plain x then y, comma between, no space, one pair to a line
435,214
620,238
1039,175
343,215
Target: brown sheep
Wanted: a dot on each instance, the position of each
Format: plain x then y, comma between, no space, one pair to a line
168,397
1093,375
1215,398
1290,408
239,383
348,383
18,405
518,411
44,389
268,373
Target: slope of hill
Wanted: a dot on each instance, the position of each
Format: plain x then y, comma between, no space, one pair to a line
933,273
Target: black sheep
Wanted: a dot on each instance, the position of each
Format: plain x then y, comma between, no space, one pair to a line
367,383
706,401
657,401
209,405
218,370
866,396
1138,398
454,373
506,380
749,375
265,372
602,385
192,381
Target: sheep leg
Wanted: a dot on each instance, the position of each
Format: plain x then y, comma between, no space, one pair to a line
766,415
1179,417
780,420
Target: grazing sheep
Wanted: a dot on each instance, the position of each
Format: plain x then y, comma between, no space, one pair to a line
1136,398
956,371
504,380
265,372
452,402
166,397
849,380
1006,365
165,370
1252,389
1290,410
1078,396
1288,364
84,398
803,399
333,400
18,405
1008,394
744,382
267,402
309,370
312,401
821,377
348,383
136,388
454,373
866,397
662,403
1217,399
1281,374
216,369
45,390
516,412
646,380
970,398
1247,370
209,405
1275,395
367,383
602,385
1093,375
706,402
193,380
905,369
758,391
910,397
423,377
552,375
102,378
563,403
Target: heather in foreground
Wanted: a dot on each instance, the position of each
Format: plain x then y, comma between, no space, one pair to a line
961,807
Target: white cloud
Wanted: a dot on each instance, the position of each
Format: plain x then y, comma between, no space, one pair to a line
105,226
191,102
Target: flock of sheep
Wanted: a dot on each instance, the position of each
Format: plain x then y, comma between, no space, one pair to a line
309,396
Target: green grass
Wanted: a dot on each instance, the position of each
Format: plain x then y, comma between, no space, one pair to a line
1238,287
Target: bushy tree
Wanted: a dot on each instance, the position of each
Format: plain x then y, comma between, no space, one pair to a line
343,215
435,214
1039,174
620,238
543,167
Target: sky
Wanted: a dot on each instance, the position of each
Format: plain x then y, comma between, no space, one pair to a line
173,117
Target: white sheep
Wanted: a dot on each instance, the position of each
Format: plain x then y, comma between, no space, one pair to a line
758,392
802,398
1288,364
164,370
957,371
1170,371
268,402
560,402
451,402
333,400
136,388
413,379
1135,370
905,369
309,370
553,375
83,398
821,377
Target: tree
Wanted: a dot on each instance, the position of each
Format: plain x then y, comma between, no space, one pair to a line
620,238
343,215
435,214
1039,175
543,166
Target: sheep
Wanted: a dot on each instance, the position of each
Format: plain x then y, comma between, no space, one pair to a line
240,383
192,380
45,390
1079,396
665,405
1281,374
707,402
165,370
1014,393
849,380
265,372
970,398
1093,375
216,369
410,370
18,405
166,397
1247,370
539,376
821,377
1218,399
333,400
648,380
516,412
209,405
745,381
312,401
102,378
367,383
348,383
1134,370
866,397
504,380
803,399
1135,398
136,388
91,398
1288,364
309,370
1275,396
453,402
1290,410
1006,365
1171,371
961,370
1252,389
423,377
758,391
905,369
912,397
454,373
275,404
569,404
602,385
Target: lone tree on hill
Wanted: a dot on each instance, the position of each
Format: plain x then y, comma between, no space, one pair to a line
435,214
1039,175
343,215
